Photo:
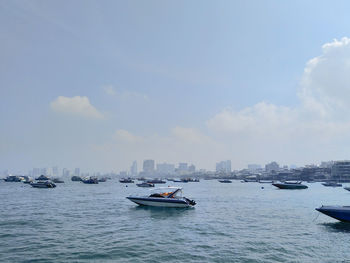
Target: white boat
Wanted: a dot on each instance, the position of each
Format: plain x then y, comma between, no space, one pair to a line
163,197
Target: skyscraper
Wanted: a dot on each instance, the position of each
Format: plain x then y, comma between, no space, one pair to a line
133,169
148,166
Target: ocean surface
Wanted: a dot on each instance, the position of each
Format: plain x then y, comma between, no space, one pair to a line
238,222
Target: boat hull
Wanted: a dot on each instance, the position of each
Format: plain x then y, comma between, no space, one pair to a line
290,186
159,202
341,213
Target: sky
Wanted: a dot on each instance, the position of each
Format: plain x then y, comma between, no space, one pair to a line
98,84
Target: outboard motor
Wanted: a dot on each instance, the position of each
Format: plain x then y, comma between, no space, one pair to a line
191,202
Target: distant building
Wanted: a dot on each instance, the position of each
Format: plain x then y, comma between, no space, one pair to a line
191,168
273,166
183,167
341,171
223,167
55,171
65,172
165,168
148,166
77,171
254,167
123,174
133,169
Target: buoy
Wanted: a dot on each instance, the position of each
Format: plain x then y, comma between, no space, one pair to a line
262,187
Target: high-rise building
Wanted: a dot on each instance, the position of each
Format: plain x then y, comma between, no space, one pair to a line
148,166
223,167
55,171
183,167
77,171
133,169
65,172
165,168
191,168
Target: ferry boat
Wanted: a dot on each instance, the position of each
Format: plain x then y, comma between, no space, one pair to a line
164,197
332,184
156,181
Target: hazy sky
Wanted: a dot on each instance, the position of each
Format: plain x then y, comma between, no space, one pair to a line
98,84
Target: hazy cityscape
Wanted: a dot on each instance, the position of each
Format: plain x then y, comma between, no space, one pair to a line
325,171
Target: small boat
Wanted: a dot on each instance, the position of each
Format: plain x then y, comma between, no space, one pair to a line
57,181
265,181
27,180
290,185
347,188
145,185
332,184
42,178
12,178
102,180
43,184
91,180
76,178
225,181
341,213
164,197
156,181
126,181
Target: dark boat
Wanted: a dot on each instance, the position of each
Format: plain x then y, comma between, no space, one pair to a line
225,181
145,185
76,178
156,181
126,181
12,178
102,180
90,180
42,178
290,185
43,184
57,181
347,188
332,184
341,213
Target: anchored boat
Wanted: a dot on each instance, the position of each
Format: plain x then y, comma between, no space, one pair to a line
341,213
290,185
164,197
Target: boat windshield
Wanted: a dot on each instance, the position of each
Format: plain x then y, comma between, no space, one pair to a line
166,192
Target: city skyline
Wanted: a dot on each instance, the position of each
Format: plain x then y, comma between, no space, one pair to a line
251,81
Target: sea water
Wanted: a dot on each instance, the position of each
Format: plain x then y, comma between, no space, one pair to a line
238,222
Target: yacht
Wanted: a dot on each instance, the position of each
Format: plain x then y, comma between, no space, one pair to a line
290,185
12,178
341,213
43,184
164,197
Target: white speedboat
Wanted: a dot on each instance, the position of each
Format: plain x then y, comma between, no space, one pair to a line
164,197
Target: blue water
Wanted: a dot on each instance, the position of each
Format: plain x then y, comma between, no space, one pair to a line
238,222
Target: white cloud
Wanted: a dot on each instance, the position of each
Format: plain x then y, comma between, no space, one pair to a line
326,79
123,94
77,106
